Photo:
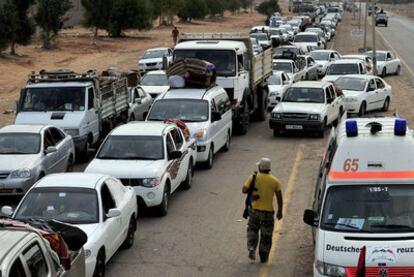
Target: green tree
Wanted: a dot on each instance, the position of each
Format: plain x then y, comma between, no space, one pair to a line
50,16
8,23
170,8
216,7
24,24
233,5
96,14
193,9
268,7
127,14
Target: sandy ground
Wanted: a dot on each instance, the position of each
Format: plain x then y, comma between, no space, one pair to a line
77,53
400,9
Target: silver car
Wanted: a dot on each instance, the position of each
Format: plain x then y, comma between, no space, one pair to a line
29,152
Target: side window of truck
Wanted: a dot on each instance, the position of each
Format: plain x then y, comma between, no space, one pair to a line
91,98
240,61
17,269
35,261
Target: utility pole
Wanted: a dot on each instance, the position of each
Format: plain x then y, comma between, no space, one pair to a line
374,49
360,11
353,9
365,26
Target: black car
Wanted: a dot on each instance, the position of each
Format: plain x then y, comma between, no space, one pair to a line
381,19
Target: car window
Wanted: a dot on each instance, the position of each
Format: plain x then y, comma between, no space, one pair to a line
389,55
311,61
371,85
57,135
332,92
48,140
17,269
332,56
327,94
35,261
380,83
107,199
177,138
91,98
170,144
140,93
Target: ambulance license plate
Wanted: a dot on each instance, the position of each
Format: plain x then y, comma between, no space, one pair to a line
294,127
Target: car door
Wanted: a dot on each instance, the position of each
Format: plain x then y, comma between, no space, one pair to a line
92,119
329,106
312,69
143,104
50,161
393,62
371,95
63,149
382,93
214,127
35,261
243,79
181,163
335,103
118,192
111,227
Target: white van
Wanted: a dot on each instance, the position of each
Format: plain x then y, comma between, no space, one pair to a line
207,113
365,197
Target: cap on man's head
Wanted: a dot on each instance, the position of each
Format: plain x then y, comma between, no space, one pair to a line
264,164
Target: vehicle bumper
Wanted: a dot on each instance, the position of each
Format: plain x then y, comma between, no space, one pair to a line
307,126
149,68
381,21
352,107
90,265
203,149
150,196
79,143
17,186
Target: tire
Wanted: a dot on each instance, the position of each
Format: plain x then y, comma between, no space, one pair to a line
130,238
362,109
241,128
227,146
307,76
69,166
386,105
384,72
100,264
84,155
398,71
210,159
261,107
162,209
189,178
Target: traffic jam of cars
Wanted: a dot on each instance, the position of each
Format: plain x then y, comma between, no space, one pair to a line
153,127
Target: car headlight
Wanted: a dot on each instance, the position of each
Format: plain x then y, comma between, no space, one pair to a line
151,182
72,132
351,99
21,173
200,134
314,117
277,115
330,269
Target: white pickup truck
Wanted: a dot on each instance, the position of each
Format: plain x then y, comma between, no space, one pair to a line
240,71
86,106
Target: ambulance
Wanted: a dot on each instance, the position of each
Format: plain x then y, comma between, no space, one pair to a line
364,197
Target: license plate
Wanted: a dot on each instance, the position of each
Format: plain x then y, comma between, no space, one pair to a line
294,127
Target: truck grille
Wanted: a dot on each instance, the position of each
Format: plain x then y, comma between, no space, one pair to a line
4,175
151,64
131,182
295,116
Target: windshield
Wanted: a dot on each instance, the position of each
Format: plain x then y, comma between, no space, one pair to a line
342,69
304,95
380,56
187,110
153,54
54,99
280,51
354,84
275,32
66,204
259,36
369,208
320,56
154,80
224,60
19,143
132,148
274,80
306,38
281,66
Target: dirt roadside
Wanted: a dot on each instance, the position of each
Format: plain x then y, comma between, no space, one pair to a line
77,53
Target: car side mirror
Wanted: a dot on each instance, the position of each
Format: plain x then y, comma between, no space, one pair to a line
50,150
7,211
138,100
215,116
113,213
310,218
175,155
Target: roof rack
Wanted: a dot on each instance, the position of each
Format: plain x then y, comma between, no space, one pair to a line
211,36
61,75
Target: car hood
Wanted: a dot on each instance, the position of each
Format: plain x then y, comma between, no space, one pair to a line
127,168
153,60
349,93
287,107
89,229
274,88
69,120
331,78
155,89
322,62
14,162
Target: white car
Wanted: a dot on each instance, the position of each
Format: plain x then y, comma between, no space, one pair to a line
153,59
344,67
324,58
364,93
139,104
153,158
321,34
207,114
387,63
308,41
155,83
292,70
310,66
98,204
366,58
307,106
29,152
277,83
262,38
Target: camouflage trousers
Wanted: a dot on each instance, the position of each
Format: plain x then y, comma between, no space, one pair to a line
264,222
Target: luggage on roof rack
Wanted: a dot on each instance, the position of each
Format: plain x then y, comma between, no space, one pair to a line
196,73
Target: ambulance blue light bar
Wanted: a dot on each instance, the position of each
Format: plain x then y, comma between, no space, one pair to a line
351,128
400,127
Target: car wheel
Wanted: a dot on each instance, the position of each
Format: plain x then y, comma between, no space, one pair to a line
69,166
209,163
84,155
163,207
241,128
227,146
384,72
362,109
307,76
398,71
130,238
100,264
189,178
386,105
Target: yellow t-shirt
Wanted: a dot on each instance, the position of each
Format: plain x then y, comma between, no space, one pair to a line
266,185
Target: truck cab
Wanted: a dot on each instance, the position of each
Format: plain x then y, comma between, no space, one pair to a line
364,198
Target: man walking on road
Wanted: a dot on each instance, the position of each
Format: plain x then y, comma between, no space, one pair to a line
261,212
175,34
